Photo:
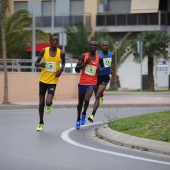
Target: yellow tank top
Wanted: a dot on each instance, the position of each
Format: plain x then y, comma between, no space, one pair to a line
52,65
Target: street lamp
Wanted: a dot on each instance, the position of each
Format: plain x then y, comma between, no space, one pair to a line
52,16
116,47
33,32
140,51
33,28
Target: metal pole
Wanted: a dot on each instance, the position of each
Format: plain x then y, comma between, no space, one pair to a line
140,51
33,32
63,41
116,68
52,17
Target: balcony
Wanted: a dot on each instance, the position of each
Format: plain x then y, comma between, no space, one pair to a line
133,21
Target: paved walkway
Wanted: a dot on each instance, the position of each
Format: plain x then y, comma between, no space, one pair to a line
111,99
115,99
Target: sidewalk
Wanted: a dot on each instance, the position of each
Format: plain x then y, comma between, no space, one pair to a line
115,99
111,99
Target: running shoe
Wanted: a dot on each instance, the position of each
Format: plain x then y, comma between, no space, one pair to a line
91,118
101,100
48,109
83,119
78,126
40,127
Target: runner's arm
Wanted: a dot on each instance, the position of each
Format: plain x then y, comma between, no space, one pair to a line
37,62
112,64
80,63
101,64
63,62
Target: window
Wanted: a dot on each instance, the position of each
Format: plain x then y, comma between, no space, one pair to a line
121,6
76,11
20,5
46,8
46,13
77,6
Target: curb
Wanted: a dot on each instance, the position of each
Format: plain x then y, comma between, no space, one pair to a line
105,133
35,106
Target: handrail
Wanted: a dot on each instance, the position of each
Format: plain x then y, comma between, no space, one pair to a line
27,65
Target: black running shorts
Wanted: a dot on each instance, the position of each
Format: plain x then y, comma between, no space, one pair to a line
43,87
103,80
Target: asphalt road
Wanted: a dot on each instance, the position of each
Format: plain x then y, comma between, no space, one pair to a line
61,147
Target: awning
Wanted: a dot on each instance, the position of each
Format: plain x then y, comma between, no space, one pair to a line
38,47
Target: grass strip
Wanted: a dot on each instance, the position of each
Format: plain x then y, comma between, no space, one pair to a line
154,126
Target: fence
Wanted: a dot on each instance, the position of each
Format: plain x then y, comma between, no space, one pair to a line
27,65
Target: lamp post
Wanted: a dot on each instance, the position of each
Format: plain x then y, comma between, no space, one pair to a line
116,48
63,40
33,32
140,51
33,28
52,16
116,68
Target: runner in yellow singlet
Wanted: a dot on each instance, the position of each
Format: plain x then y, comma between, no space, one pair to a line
49,60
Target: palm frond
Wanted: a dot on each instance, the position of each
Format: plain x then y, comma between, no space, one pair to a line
124,50
77,41
19,34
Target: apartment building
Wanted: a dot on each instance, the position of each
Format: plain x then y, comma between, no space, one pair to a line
117,17
53,15
121,16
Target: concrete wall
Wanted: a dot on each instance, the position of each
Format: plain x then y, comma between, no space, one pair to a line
144,6
24,86
130,73
91,6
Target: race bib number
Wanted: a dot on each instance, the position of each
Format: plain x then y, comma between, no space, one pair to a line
107,62
90,70
51,66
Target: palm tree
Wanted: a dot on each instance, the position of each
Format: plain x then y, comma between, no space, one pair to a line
3,5
122,51
155,44
15,38
18,33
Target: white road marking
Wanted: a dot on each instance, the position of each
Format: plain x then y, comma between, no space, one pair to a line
65,137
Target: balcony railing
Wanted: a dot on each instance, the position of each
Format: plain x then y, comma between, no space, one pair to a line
130,19
64,20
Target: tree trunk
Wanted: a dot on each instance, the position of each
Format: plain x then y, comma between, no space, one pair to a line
3,5
114,81
151,83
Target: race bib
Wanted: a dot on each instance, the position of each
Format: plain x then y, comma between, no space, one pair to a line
51,66
107,62
90,70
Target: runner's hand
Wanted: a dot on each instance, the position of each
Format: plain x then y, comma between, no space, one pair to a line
87,61
100,69
58,73
42,64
